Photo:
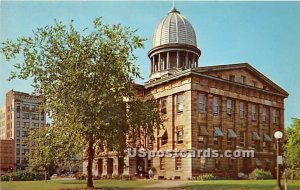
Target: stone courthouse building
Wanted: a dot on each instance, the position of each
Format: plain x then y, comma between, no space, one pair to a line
224,107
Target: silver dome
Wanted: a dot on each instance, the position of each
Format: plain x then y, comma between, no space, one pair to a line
174,28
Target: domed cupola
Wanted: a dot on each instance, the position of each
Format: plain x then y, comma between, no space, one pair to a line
174,45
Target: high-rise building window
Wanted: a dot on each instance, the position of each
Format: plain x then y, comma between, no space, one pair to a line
25,115
35,116
18,108
242,110
180,103
253,112
202,100
216,105
163,109
229,106
25,107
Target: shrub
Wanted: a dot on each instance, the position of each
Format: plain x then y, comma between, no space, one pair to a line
26,176
116,176
4,177
81,177
293,174
126,177
206,177
260,174
96,177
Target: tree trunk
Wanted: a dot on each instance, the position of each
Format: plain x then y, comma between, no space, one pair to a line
90,163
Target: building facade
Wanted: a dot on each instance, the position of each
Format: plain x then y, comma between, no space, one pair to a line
2,123
224,107
7,155
23,112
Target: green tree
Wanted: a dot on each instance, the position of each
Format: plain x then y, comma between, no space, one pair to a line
293,146
83,77
50,147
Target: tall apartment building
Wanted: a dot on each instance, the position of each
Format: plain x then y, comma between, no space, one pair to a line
224,107
2,123
22,113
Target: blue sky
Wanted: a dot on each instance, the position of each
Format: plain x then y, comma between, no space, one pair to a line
264,34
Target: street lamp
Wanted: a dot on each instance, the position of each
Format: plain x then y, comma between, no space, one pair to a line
278,135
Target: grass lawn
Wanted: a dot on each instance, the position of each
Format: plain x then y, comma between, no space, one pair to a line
139,184
70,184
239,185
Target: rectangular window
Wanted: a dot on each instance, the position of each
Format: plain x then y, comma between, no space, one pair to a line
243,80
18,108
275,116
36,125
242,138
18,124
232,78
180,135
229,106
25,115
265,114
35,116
253,112
25,107
163,106
34,108
162,163
242,110
253,83
202,163
216,105
179,103
202,100
178,163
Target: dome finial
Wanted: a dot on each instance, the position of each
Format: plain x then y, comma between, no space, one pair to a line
173,9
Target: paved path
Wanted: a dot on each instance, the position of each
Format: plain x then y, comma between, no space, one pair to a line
167,184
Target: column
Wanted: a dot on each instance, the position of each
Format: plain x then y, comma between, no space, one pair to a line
193,63
168,60
177,59
186,60
115,166
126,166
159,62
104,165
153,64
95,167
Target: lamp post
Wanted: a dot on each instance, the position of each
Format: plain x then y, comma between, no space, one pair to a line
278,135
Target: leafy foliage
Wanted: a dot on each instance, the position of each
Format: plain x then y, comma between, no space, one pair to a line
293,148
23,176
51,146
260,174
83,77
